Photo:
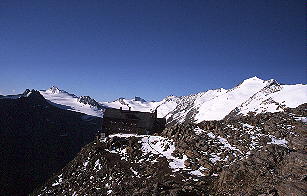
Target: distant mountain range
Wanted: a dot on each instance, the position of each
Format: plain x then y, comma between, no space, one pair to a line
252,95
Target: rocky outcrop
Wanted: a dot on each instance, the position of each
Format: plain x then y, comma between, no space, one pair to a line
267,154
262,155
118,166
90,101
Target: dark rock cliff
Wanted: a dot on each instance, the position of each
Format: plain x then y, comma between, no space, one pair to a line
37,139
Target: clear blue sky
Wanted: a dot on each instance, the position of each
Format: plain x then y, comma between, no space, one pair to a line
149,48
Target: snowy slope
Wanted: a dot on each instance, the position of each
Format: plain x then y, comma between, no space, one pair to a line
64,100
220,106
274,98
188,106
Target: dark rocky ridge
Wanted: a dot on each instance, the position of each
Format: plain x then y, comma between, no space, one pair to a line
90,101
37,139
262,154
139,99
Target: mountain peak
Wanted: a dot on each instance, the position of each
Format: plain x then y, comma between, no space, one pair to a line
253,79
34,95
26,93
139,99
257,81
54,90
88,100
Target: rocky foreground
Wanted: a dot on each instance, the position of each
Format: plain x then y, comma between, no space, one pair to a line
264,154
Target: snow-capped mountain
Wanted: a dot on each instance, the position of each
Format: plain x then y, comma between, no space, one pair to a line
252,95
65,100
163,107
273,98
218,107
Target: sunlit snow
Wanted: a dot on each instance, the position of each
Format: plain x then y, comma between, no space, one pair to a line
67,101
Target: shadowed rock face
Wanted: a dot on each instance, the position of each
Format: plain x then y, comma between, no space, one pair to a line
90,101
249,155
37,139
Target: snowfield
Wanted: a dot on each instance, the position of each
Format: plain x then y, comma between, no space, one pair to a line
64,100
218,107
